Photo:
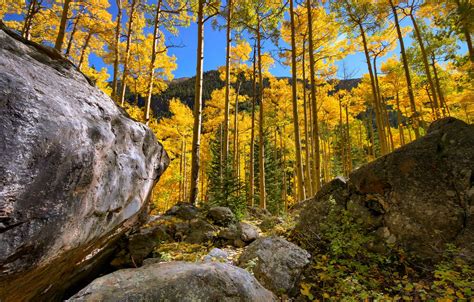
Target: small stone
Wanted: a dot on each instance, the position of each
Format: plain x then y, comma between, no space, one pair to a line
391,239
451,193
222,216
216,255
239,243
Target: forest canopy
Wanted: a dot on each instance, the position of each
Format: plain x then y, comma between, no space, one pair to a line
246,136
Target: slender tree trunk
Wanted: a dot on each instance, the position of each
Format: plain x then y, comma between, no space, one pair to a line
181,181
465,30
185,173
312,63
221,151
227,80
283,168
426,65
387,122
308,182
296,120
195,161
467,35
324,169
438,87
312,144
379,112
328,160
261,153
399,120
62,26
427,89
378,115
71,38
127,51
151,70
372,136
33,8
342,140
349,147
84,48
236,129
118,28
252,133
407,71
26,25
203,175
383,109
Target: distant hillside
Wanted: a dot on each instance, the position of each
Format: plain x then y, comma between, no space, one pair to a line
183,88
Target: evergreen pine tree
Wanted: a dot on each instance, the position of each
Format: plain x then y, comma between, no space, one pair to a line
273,177
225,189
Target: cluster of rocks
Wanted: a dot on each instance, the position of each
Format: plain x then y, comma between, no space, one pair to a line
269,267
185,223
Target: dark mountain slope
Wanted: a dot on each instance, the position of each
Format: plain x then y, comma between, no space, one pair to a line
183,89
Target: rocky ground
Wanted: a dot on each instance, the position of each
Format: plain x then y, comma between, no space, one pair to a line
400,228
207,239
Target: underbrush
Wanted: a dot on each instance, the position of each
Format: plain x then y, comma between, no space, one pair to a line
345,268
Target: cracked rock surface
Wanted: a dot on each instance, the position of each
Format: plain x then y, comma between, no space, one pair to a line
75,172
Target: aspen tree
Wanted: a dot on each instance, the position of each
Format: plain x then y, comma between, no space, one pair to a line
227,80
131,17
197,111
314,106
118,31
414,115
299,162
195,159
62,26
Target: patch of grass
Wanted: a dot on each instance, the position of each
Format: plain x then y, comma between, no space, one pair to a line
181,251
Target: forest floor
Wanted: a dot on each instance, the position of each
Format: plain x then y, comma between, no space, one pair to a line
345,270
182,251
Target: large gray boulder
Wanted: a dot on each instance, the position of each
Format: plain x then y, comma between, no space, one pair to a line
177,281
75,172
419,197
276,263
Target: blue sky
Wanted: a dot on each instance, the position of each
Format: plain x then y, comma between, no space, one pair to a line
214,52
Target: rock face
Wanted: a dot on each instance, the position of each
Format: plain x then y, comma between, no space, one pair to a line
276,263
177,281
419,197
75,172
